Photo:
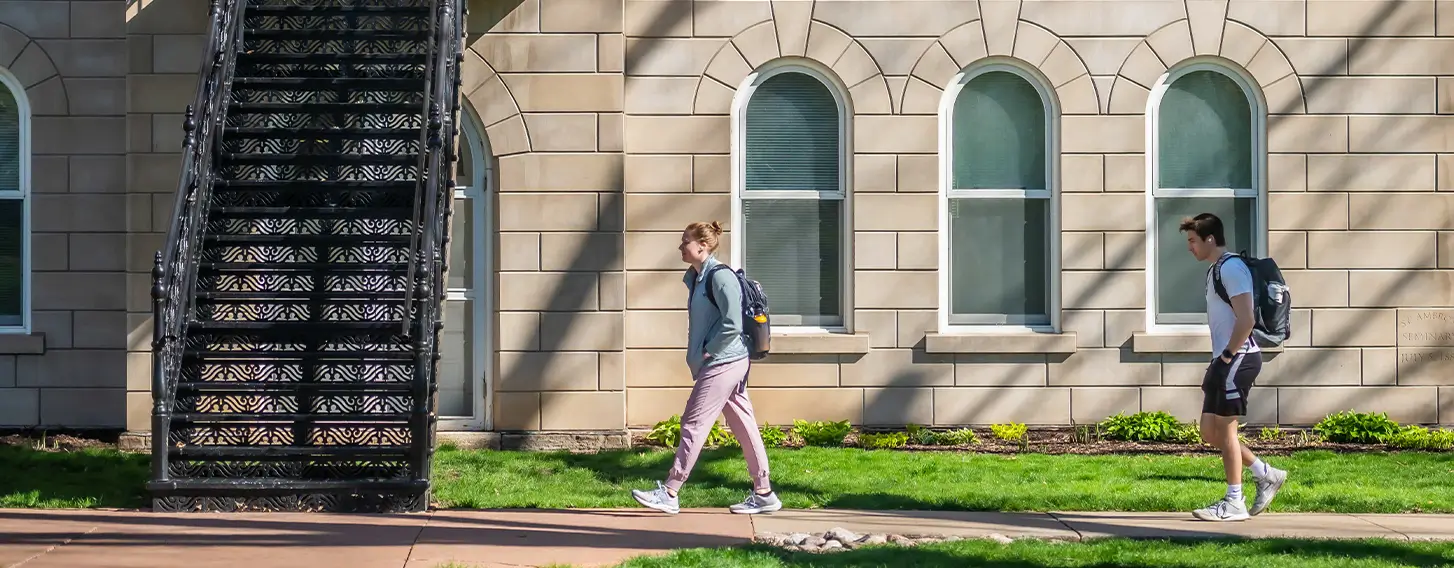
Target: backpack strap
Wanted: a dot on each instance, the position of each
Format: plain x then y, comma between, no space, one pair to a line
1216,271
708,278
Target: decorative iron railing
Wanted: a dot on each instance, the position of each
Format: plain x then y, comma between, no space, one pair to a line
174,273
433,207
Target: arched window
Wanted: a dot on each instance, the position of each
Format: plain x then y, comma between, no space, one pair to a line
14,206
1205,155
999,256
790,219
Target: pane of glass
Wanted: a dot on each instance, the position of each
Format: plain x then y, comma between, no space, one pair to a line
9,141
461,245
792,135
795,250
464,168
999,257
12,262
999,134
1181,278
1206,133
456,375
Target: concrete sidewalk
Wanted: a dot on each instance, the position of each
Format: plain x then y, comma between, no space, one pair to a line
131,539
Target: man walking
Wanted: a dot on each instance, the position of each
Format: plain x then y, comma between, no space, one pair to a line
1232,371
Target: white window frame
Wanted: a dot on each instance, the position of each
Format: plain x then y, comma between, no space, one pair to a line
1258,106
476,193
845,176
21,193
1010,323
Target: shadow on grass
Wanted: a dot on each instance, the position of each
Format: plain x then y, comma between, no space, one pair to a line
1097,554
32,478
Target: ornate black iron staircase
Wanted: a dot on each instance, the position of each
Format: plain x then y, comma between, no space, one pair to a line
297,303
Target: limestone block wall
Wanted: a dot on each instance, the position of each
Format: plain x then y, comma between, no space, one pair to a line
608,124
543,78
69,64
1358,140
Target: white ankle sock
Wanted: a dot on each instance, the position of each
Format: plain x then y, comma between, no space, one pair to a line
1234,492
1259,468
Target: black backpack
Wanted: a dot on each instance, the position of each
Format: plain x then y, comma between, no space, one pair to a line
756,329
1271,298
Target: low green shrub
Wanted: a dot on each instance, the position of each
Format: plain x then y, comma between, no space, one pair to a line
1087,434
1271,434
923,436
1012,432
960,437
1188,433
1351,427
1156,426
773,437
669,433
882,440
821,433
1420,438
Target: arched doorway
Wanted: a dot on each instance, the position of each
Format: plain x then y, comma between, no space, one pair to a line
466,364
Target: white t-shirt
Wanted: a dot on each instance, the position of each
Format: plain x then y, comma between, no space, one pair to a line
1237,279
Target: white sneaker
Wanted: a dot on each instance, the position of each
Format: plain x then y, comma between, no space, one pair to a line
1267,488
657,499
1224,510
755,504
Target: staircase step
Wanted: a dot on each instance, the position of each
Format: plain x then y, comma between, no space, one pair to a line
295,185
333,58
320,159
251,485
296,327
324,108
295,268
327,84
263,418
220,388
336,35
309,240
255,452
323,133
287,10
294,296
217,357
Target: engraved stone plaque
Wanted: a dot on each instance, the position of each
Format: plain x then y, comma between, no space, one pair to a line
1425,366
1426,328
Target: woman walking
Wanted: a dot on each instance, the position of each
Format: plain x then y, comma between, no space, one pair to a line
718,359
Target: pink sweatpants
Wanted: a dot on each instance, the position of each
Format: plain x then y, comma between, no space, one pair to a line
720,389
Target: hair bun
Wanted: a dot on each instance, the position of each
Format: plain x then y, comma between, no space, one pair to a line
716,228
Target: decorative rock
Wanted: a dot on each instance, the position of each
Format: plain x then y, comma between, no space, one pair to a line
773,539
873,539
841,535
814,542
1002,539
832,545
797,539
900,540
953,538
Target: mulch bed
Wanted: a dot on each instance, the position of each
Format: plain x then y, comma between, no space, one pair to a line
1063,441
56,442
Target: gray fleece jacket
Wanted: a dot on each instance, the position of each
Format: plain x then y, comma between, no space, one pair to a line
714,337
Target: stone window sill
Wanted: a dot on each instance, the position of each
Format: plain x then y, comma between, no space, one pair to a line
32,343
820,343
1142,342
1039,343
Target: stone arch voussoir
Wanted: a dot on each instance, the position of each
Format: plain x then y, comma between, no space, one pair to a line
36,72
489,94
824,44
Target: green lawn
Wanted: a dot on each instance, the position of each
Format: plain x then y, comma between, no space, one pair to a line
68,480
856,479
1096,554
818,477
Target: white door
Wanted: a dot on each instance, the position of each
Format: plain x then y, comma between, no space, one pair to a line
464,365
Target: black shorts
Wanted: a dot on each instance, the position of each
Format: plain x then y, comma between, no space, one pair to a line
1226,385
